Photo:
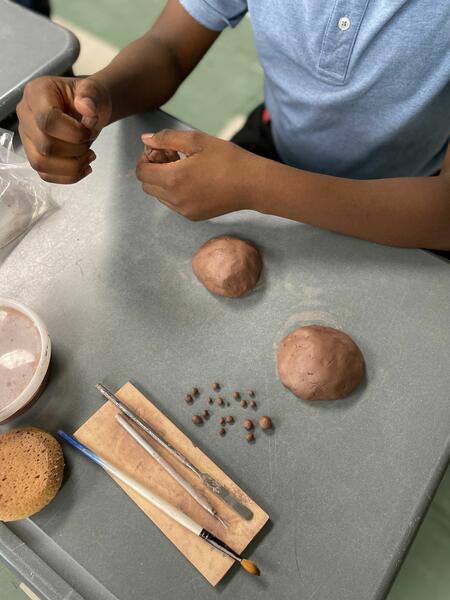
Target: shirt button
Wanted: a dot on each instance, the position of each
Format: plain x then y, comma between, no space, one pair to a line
344,23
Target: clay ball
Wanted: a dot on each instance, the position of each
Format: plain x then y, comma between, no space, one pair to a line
319,363
265,423
227,266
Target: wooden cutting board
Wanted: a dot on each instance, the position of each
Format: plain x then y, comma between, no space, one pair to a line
104,436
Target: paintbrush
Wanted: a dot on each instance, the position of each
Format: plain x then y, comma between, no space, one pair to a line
219,490
125,423
164,506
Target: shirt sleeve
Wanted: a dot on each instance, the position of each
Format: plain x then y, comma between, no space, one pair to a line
216,14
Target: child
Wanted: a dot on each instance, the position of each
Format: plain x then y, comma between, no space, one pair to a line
358,97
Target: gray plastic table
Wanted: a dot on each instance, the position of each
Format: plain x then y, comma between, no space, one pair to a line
30,46
345,483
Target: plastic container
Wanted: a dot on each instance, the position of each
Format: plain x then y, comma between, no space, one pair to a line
25,351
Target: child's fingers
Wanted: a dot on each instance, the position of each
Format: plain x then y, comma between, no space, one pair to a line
92,102
164,176
69,167
43,101
188,142
49,146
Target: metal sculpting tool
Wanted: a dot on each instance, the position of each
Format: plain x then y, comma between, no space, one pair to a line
219,490
125,423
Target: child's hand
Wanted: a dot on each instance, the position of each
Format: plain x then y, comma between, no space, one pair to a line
59,117
213,179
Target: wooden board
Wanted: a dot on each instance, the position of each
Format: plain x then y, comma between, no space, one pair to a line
104,436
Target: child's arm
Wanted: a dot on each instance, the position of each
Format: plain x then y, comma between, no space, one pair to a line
60,116
219,177
146,74
404,211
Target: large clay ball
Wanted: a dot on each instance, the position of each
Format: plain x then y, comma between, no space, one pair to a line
227,266
319,363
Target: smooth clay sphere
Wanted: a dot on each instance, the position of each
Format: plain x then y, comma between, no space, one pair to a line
319,363
227,266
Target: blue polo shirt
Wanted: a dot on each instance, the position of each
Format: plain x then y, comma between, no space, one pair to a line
355,88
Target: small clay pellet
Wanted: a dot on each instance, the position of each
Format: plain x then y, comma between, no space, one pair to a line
236,395
248,424
244,403
222,431
194,391
188,398
265,423
253,404
216,386
222,420
197,420
229,419
251,393
210,400
220,401
250,437
205,413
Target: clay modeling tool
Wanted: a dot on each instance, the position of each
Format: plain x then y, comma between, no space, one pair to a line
167,508
219,490
125,423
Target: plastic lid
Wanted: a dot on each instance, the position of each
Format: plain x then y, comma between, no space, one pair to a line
24,357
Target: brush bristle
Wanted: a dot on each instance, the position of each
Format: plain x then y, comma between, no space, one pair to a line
250,567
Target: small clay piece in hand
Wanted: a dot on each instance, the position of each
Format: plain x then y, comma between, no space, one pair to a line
197,420
194,391
222,420
229,419
251,393
244,403
236,395
227,266
188,398
205,413
210,400
319,363
265,423
250,437
248,424
216,386
253,404
222,431
220,401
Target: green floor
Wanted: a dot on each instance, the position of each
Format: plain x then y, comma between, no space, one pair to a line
9,586
229,83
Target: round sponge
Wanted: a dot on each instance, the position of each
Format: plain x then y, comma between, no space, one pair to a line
31,471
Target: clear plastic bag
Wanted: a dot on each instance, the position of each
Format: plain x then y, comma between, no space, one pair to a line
24,197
